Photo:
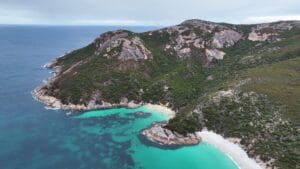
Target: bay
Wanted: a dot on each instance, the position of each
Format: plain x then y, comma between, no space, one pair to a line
32,137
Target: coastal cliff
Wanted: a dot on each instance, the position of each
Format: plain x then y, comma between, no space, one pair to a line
238,80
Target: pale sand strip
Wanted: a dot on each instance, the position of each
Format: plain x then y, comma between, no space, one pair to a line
234,151
160,109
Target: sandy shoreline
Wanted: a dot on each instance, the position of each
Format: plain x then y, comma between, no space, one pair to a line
160,109
234,151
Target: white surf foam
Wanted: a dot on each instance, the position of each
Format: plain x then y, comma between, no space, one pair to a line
234,151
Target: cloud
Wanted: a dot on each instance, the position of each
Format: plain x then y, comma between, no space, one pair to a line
143,12
262,19
20,16
116,22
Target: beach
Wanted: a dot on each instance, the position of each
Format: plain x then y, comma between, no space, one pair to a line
234,151
160,109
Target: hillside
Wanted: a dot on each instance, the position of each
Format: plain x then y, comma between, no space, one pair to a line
238,80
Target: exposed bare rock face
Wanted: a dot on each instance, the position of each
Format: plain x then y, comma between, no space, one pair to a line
271,31
160,135
122,44
214,54
206,39
225,38
257,36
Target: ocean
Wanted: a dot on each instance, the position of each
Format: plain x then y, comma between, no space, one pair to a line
33,137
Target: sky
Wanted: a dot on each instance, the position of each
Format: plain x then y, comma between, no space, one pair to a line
145,12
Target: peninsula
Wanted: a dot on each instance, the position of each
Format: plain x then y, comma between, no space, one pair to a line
240,81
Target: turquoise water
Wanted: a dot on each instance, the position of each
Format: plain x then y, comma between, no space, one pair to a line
32,137
202,156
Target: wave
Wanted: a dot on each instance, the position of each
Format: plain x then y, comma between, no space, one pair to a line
234,151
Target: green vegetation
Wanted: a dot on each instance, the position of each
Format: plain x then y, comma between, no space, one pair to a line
267,120
281,82
185,124
263,109
260,125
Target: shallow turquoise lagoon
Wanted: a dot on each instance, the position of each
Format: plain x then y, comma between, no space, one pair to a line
202,156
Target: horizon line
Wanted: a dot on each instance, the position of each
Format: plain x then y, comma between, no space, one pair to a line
143,25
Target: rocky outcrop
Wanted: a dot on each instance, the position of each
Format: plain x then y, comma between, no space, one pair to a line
225,38
214,54
184,41
40,94
259,36
134,49
204,38
122,44
281,25
160,135
253,36
271,31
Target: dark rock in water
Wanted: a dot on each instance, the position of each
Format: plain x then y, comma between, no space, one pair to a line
145,140
162,136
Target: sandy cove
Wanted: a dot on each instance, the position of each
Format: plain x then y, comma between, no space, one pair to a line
233,149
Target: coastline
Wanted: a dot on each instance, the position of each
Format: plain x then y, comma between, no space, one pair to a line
233,149
51,102
230,147
55,104
39,94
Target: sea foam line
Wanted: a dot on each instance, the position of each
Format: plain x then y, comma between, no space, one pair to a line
234,151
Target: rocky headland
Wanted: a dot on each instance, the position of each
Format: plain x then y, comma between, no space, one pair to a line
237,80
157,133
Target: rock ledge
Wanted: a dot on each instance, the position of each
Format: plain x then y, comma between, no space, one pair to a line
162,136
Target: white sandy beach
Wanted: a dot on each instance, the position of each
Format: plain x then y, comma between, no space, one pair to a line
161,109
234,151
